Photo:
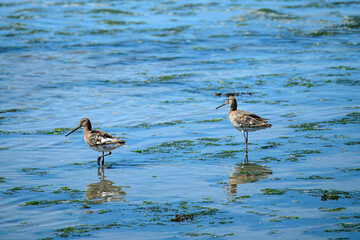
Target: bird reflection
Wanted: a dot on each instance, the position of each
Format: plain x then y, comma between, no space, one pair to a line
104,190
246,172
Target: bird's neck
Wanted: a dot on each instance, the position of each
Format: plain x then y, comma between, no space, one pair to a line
87,128
233,106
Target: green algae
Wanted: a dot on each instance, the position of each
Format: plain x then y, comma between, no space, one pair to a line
322,209
182,217
66,189
345,68
2,179
149,125
12,110
212,120
271,145
352,143
273,191
121,23
111,11
25,188
44,202
315,177
270,159
77,163
319,126
34,171
55,131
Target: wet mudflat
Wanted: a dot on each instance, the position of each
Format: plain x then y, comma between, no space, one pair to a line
146,72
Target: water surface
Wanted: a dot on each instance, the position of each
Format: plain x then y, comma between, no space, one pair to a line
146,72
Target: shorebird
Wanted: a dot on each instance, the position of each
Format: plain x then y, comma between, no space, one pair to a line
98,140
244,121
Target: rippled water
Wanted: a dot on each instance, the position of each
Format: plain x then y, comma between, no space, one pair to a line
146,72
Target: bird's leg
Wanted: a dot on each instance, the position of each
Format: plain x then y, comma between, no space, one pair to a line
246,138
99,158
246,160
104,157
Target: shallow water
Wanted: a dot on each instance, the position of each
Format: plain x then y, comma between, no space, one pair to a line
146,72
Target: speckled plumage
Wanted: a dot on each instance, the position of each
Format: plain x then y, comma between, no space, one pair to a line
98,140
244,121
247,121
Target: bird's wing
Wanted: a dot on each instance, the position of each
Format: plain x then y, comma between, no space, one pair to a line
250,119
100,137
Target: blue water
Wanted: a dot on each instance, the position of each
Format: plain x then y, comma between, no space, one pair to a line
146,72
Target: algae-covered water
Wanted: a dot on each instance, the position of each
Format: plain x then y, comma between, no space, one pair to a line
150,72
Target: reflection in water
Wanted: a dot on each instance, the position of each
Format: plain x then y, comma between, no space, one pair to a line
246,173
104,189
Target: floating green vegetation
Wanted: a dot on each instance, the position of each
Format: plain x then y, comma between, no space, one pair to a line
148,125
348,82
243,197
350,169
281,102
294,156
274,191
12,110
212,120
66,189
288,115
351,22
272,145
324,4
302,82
187,100
77,231
223,154
44,202
34,171
289,218
331,192
283,218
100,32
55,131
219,36
208,141
102,211
270,159
2,179
76,163
326,197
352,143
113,22
182,217
23,188
272,14
322,209
167,147
344,68
346,227
111,11
318,126
167,78
314,177
323,32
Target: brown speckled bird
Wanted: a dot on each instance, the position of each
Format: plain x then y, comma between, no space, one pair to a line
98,140
244,121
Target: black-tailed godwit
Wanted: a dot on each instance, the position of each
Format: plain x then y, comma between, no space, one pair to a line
244,121
98,140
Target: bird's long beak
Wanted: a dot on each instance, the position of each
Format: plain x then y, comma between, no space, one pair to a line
73,130
227,102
